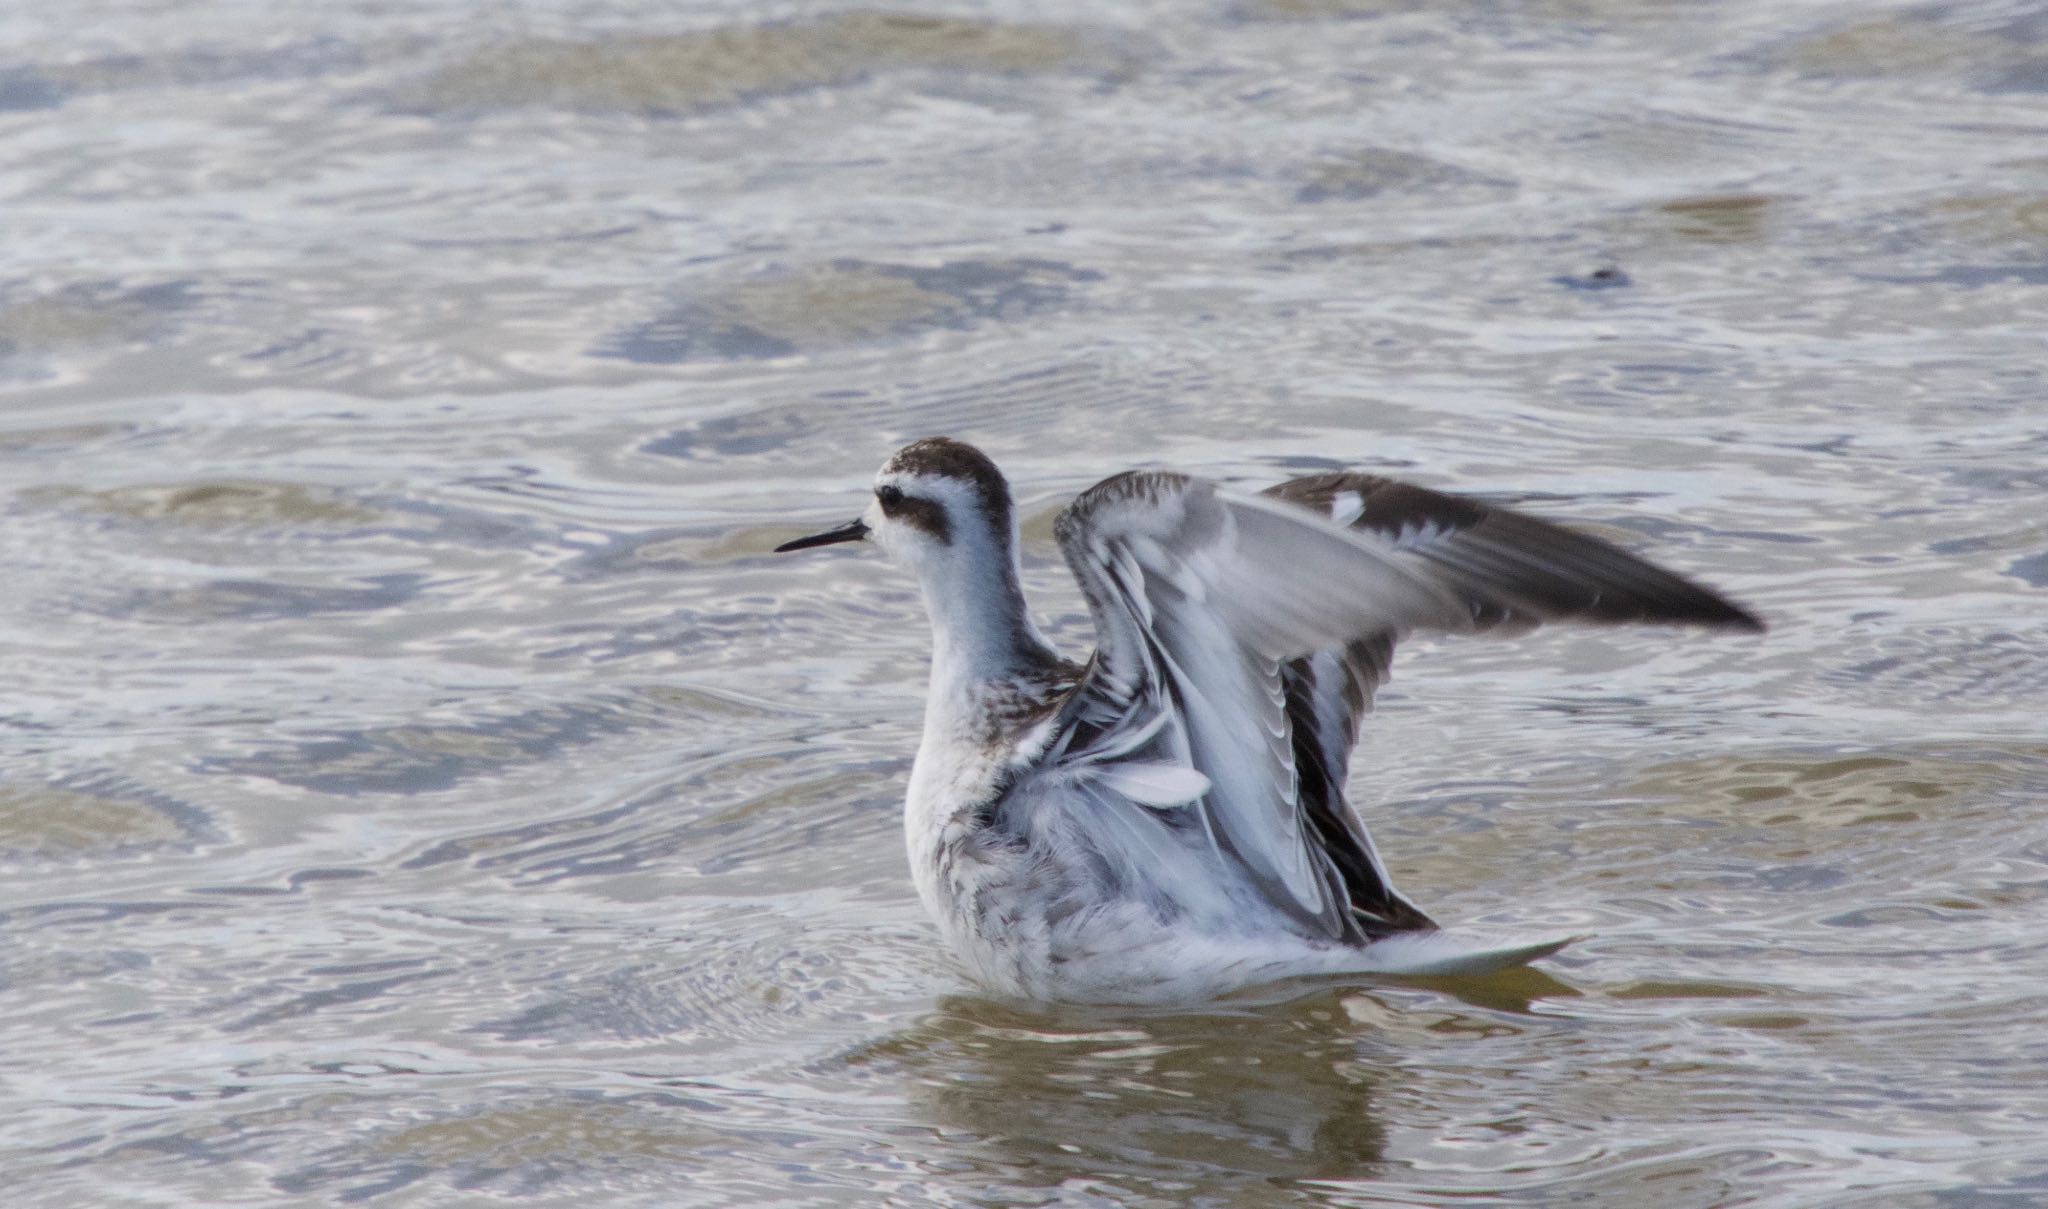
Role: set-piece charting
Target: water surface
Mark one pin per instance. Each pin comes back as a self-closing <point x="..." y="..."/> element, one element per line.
<point x="418" y="783"/>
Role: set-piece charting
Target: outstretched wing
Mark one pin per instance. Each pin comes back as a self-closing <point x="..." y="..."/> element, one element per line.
<point x="1215" y="614"/>
<point x="1510" y="568"/>
<point x="1513" y="569"/>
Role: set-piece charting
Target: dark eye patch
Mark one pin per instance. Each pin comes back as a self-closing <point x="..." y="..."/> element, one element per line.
<point x="913" y="510"/>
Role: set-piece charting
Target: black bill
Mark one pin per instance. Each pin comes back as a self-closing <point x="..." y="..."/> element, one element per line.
<point x="844" y="533"/>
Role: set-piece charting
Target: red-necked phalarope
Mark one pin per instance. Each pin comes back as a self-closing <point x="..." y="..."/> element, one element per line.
<point x="1167" y="823"/>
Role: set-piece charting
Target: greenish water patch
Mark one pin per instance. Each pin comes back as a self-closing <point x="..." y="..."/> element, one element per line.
<point x="564" y="1133"/>
<point x="1998" y="51"/>
<point x="222" y="504"/>
<point x="1720" y="218"/>
<point x="782" y="314"/>
<point x="90" y="314"/>
<point x="1822" y="791"/>
<point x="678" y="73"/>
<point x="53" y="822"/>
<point x="30" y="441"/>
<point x="423" y="757"/>
<point x="1378" y="171"/>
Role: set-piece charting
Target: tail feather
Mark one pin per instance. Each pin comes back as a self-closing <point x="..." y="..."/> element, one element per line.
<point x="1433" y="954"/>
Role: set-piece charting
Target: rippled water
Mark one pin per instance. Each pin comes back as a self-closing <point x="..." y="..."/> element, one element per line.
<point x="418" y="784"/>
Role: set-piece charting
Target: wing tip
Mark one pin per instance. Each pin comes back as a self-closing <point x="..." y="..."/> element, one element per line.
<point x="1718" y="613"/>
<point x="1746" y="622"/>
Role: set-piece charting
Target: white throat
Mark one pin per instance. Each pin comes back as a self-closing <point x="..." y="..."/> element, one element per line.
<point x="981" y="631"/>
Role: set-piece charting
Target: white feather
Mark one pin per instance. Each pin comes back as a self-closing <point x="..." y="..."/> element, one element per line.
<point x="1158" y="785"/>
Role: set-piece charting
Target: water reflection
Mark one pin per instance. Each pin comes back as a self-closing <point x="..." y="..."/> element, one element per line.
<point x="1280" y="1093"/>
<point x="1247" y="1091"/>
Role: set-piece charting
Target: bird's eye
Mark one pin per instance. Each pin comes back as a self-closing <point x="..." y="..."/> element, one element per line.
<point x="890" y="497"/>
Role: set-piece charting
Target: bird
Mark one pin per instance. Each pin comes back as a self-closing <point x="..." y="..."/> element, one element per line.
<point x="1166" y="823"/>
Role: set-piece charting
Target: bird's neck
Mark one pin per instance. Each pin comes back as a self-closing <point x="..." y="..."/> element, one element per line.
<point x="981" y="632"/>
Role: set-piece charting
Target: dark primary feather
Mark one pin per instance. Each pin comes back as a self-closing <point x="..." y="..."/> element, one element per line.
<point x="1326" y="697"/>
<point x="1515" y="568"/>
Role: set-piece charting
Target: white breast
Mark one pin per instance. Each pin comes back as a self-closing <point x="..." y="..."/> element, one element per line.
<point x="979" y="893"/>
